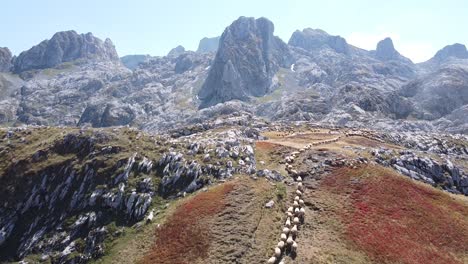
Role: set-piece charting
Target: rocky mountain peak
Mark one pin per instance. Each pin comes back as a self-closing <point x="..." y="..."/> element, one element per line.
<point x="5" y="59"/>
<point x="208" y="45"/>
<point x="456" y="50"/>
<point x="386" y="51"/>
<point x="63" y="47"/>
<point x="248" y="57"/>
<point x="175" y="52"/>
<point x="315" y="39"/>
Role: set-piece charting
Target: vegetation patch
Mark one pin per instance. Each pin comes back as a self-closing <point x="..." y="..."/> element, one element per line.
<point x="396" y="220"/>
<point x="185" y="237"/>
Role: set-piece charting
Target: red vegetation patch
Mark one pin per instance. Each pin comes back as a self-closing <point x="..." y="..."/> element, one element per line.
<point x="395" y="220"/>
<point x="264" y="145"/>
<point x="185" y="236"/>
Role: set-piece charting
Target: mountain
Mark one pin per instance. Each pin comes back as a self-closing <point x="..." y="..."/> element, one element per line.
<point x="5" y="60"/>
<point x="189" y="157"/>
<point x="313" y="39"/>
<point x="386" y="51"/>
<point x="248" y="57"/>
<point x="65" y="46"/>
<point x="208" y="44"/>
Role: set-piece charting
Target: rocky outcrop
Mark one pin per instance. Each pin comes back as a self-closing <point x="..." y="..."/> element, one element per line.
<point x="455" y="51"/>
<point x="133" y="61"/>
<point x="208" y="44"/>
<point x="175" y="52"/>
<point x="110" y="114"/>
<point x="386" y="51"/>
<point x="248" y="57"/>
<point x="65" y="46"/>
<point x="438" y="93"/>
<point x="5" y="60"/>
<point x="443" y="174"/>
<point x="313" y="39"/>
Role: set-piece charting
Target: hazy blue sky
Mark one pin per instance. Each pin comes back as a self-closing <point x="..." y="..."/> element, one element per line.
<point x="419" y="28"/>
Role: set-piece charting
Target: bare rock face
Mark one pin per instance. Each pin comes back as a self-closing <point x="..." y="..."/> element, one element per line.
<point x="386" y="51"/>
<point x="451" y="51"/>
<point x="5" y="60"/>
<point x="64" y="47"/>
<point x="208" y="45"/>
<point x="312" y="39"/>
<point x="175" y="52"/>
<point x="248" y="57"/>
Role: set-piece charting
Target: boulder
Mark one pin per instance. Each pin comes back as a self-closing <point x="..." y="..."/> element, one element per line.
<point x="5" y="60"/>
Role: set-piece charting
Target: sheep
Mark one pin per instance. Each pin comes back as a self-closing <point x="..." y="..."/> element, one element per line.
<point x="296" y="212"/>
<point x="299" y="193"/>
<point x="301" y="202"/>
<point x="295" y="204"/>
<point x="298" y="179"/>
<point x="300" y="187"/>
<point x="290" y="215"/>
<point x="290" y="209"/>
<point x="272" y="260"/>
<point x="296" y="220"/>
<point x="283" y="237"/>
<point x="289" y="241"/>
<point x="294" y="230"/>
<point x="149" y="218"/>
<point x="288" y="222"/>
<point x="285" y="230"/>
<point x="294" y="247"/>
<point x="302" y="211"/>
<point x="277" y="252"/>
<point x="296" y="198"/>
<point x="281" y="244"/>
<point x="294" y="172"/>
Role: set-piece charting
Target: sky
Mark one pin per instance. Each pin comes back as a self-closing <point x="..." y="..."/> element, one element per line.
<point x="418" y="27"/>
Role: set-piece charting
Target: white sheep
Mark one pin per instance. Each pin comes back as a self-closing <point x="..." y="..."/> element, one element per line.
<point x="299" y="193"/>
<point x="289" y="214"/>
<point x="290" y="209"/>
<point x="288" y="222"/>
<point x="281" y="244"/>
<point x="301" y="202"/>
<point x="272" y="260"/>
<point x="294" y="230"/>
<point x="285" y="230"/>
<point x="298" y="179"/>
<point x="296" y="220"/>
<point x="290" y="240"/>
<point x="302" y="211"/>
<point x="283" y="237"/>
<point x="294" y="247"/>
<point x="295" y="204"/>
<point x="296" y="198"/>
<point x="300" y="186"/>
<point x="277" y="252"/>
<point x="294" y="172"/>
<point x="149" y="218"/>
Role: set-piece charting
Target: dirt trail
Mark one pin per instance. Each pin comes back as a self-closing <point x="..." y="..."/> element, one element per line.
<point x="244" y="232"/>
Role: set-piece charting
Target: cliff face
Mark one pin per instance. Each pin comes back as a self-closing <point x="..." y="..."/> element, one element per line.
<point x="63" y="47"/>
<point x="5" y="60"/>
<point x="247" y="59"/>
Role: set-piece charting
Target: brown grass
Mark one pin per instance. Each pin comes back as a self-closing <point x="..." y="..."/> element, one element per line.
<point x="396" y="220"/>
<point x="184" y="238"/>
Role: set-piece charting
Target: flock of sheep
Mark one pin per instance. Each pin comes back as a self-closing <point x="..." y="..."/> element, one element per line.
<point x="295" y="217"/>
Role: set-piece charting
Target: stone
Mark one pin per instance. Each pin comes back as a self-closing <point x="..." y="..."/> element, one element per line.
<point x="208" y="45"/>
<point x="5" y="60"/>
